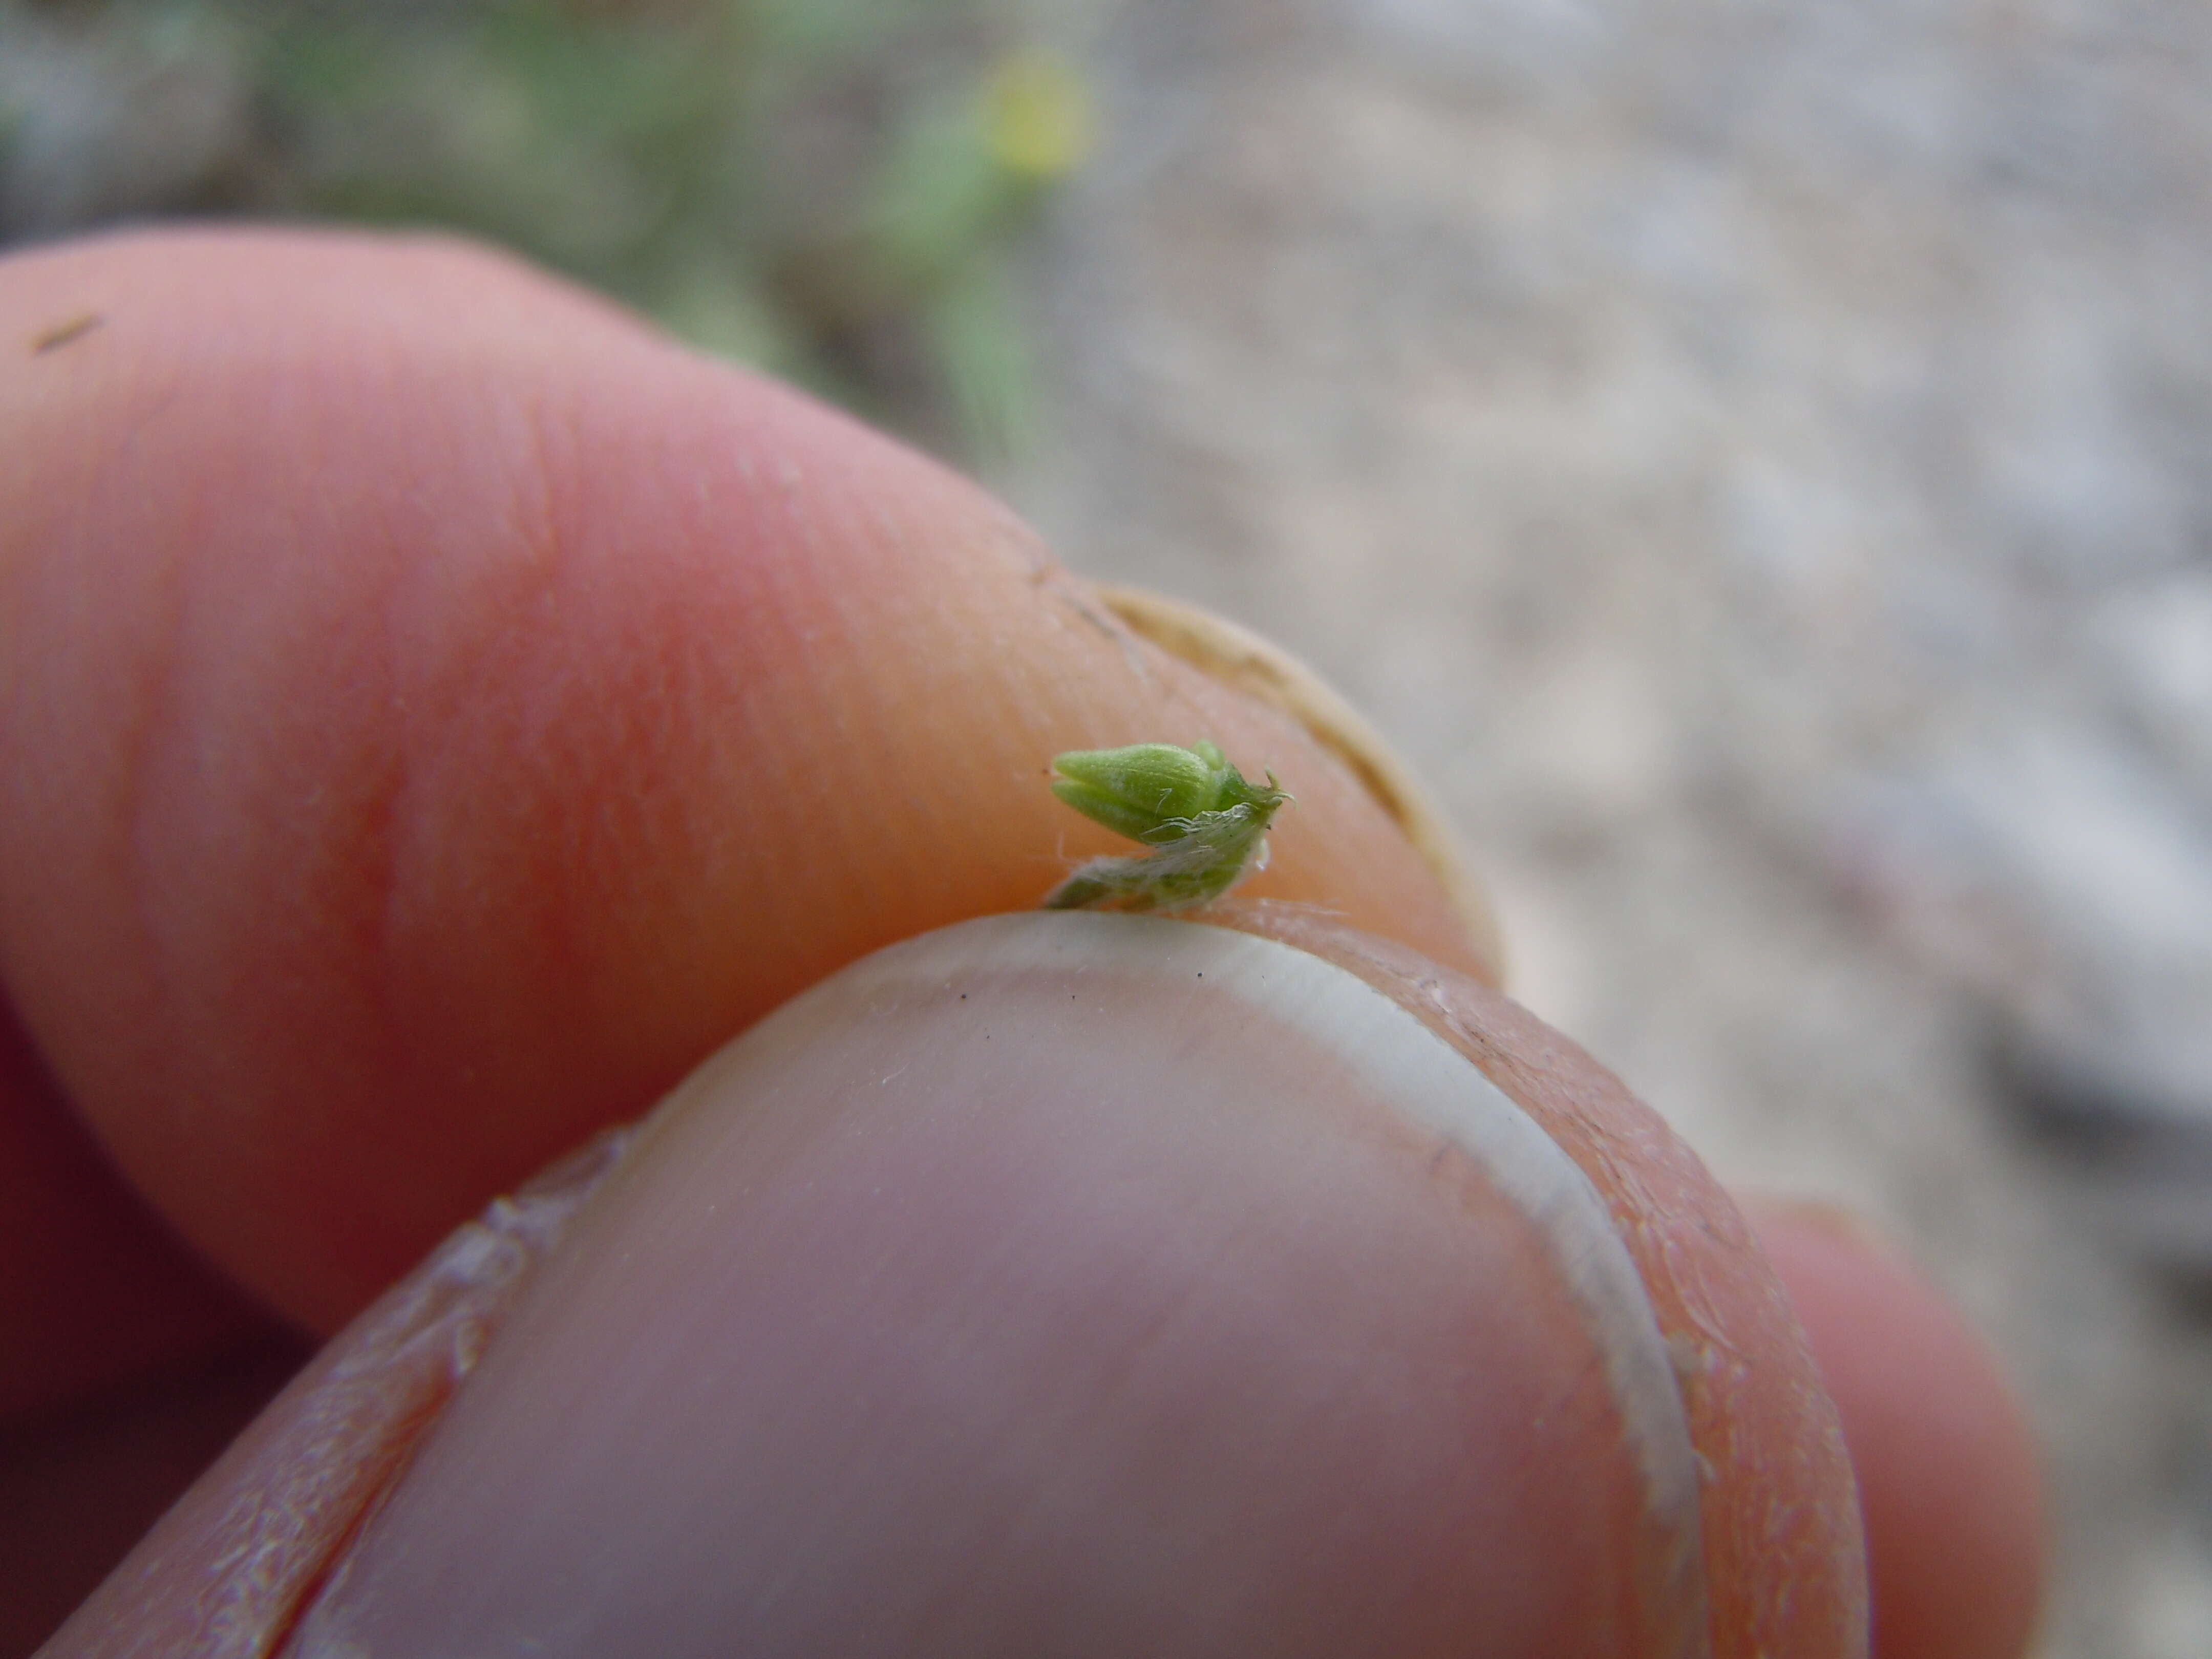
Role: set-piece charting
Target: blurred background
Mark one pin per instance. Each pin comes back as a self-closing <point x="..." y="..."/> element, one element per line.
<point x="1755" y="458"/>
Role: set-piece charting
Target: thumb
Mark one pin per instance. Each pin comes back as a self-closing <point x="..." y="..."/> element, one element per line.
<point x="1066" y="1283"/>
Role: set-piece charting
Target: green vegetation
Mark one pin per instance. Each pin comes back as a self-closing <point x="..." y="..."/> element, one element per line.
<point x="1205" y="825"/>
<point x="831" y="190"/>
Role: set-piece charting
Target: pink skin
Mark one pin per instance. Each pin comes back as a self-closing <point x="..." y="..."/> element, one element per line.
<point x="1946" y="1470"/>
<point x="431" y="710"/>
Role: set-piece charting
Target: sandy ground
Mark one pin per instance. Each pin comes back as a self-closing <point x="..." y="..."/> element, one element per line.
<point x="1756" y="461"/>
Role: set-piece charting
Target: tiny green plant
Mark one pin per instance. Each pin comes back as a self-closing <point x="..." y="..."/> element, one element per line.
<point x="1206" y="826"/>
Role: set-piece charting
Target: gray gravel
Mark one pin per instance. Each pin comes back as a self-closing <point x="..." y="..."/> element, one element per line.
<point x="1757" y="460"/>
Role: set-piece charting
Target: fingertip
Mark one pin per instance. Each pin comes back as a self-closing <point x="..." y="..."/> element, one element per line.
<point x="1946" y="1465"/>
<point x="437" y="711"/>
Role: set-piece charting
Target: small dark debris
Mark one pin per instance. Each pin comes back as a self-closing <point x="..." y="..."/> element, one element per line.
<point x="64" y="333"/>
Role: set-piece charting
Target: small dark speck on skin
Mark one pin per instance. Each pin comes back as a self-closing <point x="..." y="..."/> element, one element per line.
<point x="64" y="333"/>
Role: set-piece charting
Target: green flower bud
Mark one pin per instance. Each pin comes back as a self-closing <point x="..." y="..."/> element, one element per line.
<point x="1207" y="825"/>
<point x="1147" y="792"/>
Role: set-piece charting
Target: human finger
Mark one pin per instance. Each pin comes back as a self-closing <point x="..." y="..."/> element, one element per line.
<point x="436" y="711"/>
<point x="1946" y="1468"/>
<point x="1066" y="1283"/>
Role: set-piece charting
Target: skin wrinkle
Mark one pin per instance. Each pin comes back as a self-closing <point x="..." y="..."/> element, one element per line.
<point x="149" y="729"/>
<point x="357" y="830"/>
<point x="374" y="853"/>
<point x="472" y="702"/>
<point x="382" y="846"/>
<point x="310" y="621"/>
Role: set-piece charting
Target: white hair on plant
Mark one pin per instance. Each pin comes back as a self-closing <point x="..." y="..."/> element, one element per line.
<point x="1206" y="826"/>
